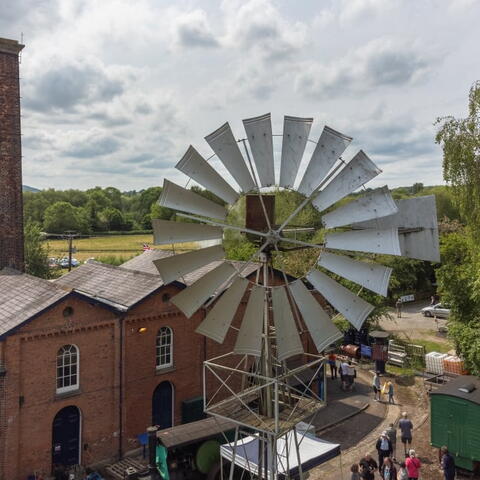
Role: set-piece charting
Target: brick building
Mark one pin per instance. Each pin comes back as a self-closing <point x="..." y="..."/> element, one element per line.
<point x="11" y="203"/>
<point x="89" y="361"/>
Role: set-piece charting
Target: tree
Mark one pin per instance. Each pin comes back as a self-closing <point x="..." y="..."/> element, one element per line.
<point x="63" y="216"/>
<point x="460" y="141"/>
<point x="36" y="253"/>
<point x="112" y="218"/>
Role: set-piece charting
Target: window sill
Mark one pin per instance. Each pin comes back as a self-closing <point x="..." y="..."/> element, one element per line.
<point x="71" y="393"/>
<point x="162" y="370"/>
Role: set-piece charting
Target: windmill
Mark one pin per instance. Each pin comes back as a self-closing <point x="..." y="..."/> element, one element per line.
<point x="254" y="385"/>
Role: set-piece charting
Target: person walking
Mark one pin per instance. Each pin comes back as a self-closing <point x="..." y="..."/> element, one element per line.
<point x="406" y="427"/>
<point x="413" y="465"/>
<point x="392" y="435"/>
<point x="351" y="376"/>
<point x="376" y="386"/>
<point x="402" y="472"/>
<point x="384" y="447"/>
<point x="398" y="304"/>
<point x="344" y="370"/>
<point x="447" y="464"/>
<point x="332" y="361"/>
<point x="367" y="467"/>
<point x="389" y="390"/>
<point x="388" y="470"/>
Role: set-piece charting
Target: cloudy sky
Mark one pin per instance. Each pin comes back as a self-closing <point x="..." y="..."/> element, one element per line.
<point x="114" y="91"/>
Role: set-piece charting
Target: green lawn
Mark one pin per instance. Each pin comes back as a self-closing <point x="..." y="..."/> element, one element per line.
<point x="125" y="246"/>
<point x="431" y="346"/>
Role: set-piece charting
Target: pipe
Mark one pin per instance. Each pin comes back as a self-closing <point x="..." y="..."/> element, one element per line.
<point x="120" y="390"/>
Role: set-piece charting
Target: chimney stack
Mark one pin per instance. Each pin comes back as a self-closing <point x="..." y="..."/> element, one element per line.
<point x="11" y="202"/>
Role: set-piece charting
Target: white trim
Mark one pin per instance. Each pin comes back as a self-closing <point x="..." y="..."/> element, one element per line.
<point x="69" y="388"/>
<point x="157" y="356"/>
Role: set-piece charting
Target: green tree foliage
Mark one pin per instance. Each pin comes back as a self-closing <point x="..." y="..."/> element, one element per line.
<point x="459" y="273"/>
<point x="112" y="218"/>
<point x="36" y="252"/>
<point x="460" y="141"/>
<point x="63" y="216"/>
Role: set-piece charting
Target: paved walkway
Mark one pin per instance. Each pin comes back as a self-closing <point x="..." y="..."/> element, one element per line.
<point x="358" y="434"/>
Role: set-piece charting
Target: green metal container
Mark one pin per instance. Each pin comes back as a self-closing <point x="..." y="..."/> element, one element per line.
<point x="455" y="420"/>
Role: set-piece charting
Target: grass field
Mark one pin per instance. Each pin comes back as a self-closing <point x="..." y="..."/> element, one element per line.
<point x="125" y="246"/>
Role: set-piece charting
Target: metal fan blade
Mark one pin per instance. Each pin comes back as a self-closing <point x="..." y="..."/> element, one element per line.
<point x="249" y="338"/>
<point x="167" y="232"/>
<point x="322" y="330"/>
<point x="352" y="307"/>
<point x="416" y="212"/>
<point x="371" y="206"/>
<point x="196" y="167"/>
<point x="259" y="134"/>
<point x="373" y="276"/>
<point x="330" y="146"/>
<point x="193" y="297"/>
<point x="172" y="268"/>
<point x="372" y="241"/>
<point x="225" y="146"/>
<point x="295" y="137"/>
<point x="288" y="339"/>
<point x="179" y="198"/>
<point x="353" y="175"/>
<point x="421" y="244"/>
<point x="219" y="319"/>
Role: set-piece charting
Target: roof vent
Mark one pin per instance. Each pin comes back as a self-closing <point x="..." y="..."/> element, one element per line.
<point x="468" y="388"/>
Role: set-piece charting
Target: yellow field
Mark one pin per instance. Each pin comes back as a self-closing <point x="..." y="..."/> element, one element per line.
<point x="126" y="246"/>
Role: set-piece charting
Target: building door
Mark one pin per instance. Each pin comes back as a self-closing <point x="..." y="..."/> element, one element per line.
<point x="162" y="405"/>
<point x="66" y="437"/>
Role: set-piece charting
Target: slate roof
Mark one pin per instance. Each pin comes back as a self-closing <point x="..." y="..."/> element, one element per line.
<point x="144" y="263"/>
<point x="23" y="296"/>
<point x="116" y="286"/>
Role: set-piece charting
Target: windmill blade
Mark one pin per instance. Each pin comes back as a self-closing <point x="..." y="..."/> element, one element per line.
<point x="322" y="330"/>
<point x="167" y="232"/>
<point x="420" y="244"/>
<point x="369" y="207"/>
<point x="416" y="212"/>
<point x="352" y="307"/>
<point x="225" y="146"/>
<point x="371" y="241"/>
<point x="196" y="167"/>
<point x="249" y="338"/>
<point x="174" y="267"/>
<point x="288" y="339"/>
<point x="373" y="276"/>
<point x="330" y="146"/>
<point x="354" y="174"/>
<point x="259" y="134"/>
<point x="295" y="137"/>
<point x="219" y="319"/>
<point x="193" y="297"/>
<point x="179" y="198"/>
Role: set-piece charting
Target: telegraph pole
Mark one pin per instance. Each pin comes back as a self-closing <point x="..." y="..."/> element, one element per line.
<point x="70" y="234"/>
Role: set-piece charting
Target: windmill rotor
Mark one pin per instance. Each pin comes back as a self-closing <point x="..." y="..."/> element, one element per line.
<point x="348" y="235"/>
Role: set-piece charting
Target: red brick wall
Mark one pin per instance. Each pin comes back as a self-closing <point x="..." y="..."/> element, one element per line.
<point x="11" y="204"/>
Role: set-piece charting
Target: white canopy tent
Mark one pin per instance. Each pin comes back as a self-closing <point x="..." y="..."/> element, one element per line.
<point x="313" y="452"/>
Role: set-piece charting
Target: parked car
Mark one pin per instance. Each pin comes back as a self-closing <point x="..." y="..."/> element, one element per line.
<point x="53" y="262"/>
<point x="64" y="262"/>
<point x="438" y="310"/>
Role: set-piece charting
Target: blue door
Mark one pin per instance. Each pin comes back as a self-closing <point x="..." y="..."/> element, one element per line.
<point x="66" y="437"/>
<point x="162" y="405"/>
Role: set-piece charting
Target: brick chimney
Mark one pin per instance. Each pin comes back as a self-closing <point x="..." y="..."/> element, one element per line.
<point x="11" y="203"/>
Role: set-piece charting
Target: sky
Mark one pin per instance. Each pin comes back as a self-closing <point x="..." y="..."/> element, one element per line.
<point x="114" y="91"/>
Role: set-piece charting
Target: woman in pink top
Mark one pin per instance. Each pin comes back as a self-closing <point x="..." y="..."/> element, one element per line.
<point x="413" y="465"/>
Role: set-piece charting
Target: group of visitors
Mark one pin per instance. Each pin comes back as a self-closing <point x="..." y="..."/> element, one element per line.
<point x="385" y="389"/>
<point x="388" y="467"/>
<point x="346" y="371"/>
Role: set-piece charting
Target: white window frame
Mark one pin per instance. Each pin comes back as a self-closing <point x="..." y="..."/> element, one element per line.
<point x="61" y="354"/>
<point x="161" y="349"/>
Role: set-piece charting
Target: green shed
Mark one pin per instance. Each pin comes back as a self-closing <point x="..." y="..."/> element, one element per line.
<point x="455" y="420"/>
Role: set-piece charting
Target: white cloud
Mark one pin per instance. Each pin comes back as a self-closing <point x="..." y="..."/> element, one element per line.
<point x="192" y="30"/>
<point x="382" y="62"/>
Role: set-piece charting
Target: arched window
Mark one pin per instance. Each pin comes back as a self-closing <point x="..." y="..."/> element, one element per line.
<point x="164" y="348"/>
<point x="67" y="369"/>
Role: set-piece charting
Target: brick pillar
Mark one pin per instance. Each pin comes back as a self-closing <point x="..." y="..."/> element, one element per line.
<point x="11" y="203"/>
